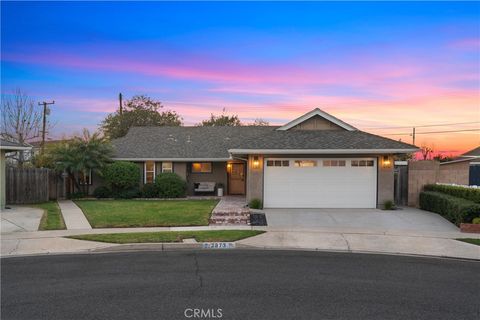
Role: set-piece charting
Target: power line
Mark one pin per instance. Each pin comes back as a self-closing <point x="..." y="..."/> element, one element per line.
<point x="427" y="125"/>
<point x="429" y="132"/>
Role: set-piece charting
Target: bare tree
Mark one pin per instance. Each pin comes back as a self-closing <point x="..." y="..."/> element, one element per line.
<point x="426" y="151"/>
<point x="21" y="120"/>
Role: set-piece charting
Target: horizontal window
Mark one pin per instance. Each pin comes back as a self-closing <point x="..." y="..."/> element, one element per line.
<point x="362" y="163"/>
<point x="334" y="163"/>
<point x="167" y="167"/>
<point x="202" y="167"/>
<point x="305" y="163"/>
<point x="278" y="163"/>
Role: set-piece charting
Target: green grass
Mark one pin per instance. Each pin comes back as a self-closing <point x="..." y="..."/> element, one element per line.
<point x="52" y="217"/>
<point x="470" y="240"/>
<point x="170" y="236"/>
<point x="146" y="213"/>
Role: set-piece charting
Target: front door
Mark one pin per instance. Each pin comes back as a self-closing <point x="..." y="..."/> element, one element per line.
<point x="236" y="179"/>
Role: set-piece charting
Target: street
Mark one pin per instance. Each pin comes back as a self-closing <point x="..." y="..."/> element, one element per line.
<point x="238" y="284"/>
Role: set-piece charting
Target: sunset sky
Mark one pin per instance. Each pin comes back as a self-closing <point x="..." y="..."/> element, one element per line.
<point x="374" y="65"/>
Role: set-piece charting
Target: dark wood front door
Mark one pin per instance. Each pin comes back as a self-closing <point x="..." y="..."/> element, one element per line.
<point x="236" y="179"/>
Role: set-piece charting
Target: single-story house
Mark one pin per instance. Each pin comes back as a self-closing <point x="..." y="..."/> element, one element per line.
<point x="314" y="161"/>
<point x="464" y="170"/>
<point x="7" y="146"/>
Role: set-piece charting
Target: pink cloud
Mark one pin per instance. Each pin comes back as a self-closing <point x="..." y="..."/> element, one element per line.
<point x="467" y="44"/>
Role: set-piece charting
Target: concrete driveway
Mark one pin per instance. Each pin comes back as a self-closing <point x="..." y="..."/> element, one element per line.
<point x="403" y="219"/>
<point x="20" y="219"/>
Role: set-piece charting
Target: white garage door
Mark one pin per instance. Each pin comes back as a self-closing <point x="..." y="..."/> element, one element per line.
<point x="320" y="183"/>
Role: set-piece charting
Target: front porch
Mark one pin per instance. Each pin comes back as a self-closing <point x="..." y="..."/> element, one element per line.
<point x="206" y="178"/>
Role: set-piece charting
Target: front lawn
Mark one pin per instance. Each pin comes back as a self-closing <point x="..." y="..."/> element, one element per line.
<point x="52" y="217"/>
<point x="146" y="213"/>
<point x="170" y="236"/>
<point x="470" y="240"/>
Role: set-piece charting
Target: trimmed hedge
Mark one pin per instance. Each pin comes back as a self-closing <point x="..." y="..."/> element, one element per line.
<point x="102" y="192"/>
<point x="122" y="176"/>
<point x="149" y="190"/>
<point x="170" y="185"/>
<point x="456" y="210"/>
<point x="472" y="194"/>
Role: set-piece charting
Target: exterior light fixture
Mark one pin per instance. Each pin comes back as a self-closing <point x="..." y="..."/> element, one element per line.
<point x="229" y="167"/>
<point x="256" y="162"/>
<point x="386" y="162"/>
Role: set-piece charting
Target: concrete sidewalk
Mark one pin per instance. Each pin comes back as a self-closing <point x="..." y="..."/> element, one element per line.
<point x="357" y="242"/>
<point x="73" y="215"/>
<point x="348" y="240"/>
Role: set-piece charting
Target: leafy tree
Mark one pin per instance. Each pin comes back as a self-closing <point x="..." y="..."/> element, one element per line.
<point x="221" y="120"/>
<point x="82" y="154"/>
<point x="139" y="111"/>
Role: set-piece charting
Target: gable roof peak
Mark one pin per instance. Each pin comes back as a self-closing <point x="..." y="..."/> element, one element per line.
<point x="317" y="112"/>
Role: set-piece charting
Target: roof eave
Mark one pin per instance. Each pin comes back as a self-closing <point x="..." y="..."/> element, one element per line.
<point x="173" y="159"/>
<point x="321" y="151"/>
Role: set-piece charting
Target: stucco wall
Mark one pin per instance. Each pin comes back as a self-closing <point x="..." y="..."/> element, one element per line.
<point x="317" y="123"/>
<point x="457" y="173"/>
<point x="385" y="181"/>
<point x="254" y="178"/>
<point x="420" y="173"/>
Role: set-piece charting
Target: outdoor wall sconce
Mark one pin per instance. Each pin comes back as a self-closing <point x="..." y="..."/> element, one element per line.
<point x="256" y="162"/>
<point x="229" y="167"/>
<point x="386" y="162"/>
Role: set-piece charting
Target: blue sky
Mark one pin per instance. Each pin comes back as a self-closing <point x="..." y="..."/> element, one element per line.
<point x="372" y="64"/>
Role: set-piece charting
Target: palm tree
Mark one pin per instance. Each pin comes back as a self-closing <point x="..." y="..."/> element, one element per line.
<point x="82" y="154"/>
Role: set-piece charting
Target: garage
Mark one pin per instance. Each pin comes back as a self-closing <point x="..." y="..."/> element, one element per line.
<point x="320" y="183"/>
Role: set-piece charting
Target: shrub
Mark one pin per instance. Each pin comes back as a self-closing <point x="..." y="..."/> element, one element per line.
<point x="122" y="175"/>
<point x="102" y="192"/>
<point x="476" y="220"/>
<point x="170" y="185"/>
<point x="127" y="193"/>
<point x="456" y="210"/>
<point x="472" y="194"/>
<point x="255" y="204"/>
<point x="388" y="205"/>
<point x="149" y="190"/>
<point x="76" y="195"/>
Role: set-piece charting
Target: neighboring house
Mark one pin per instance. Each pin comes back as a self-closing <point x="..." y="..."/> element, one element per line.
<point x="7" y="146"/>
<point x="314" y="161"/>
<point x="464" y="170"/>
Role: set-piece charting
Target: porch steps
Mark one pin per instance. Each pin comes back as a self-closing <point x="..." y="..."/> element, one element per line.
<point x="241" y="217"/>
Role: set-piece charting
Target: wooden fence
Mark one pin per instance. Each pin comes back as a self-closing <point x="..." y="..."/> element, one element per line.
<point x="32" y="185"/>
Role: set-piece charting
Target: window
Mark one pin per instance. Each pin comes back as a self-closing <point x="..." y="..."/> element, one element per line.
<point x="278" y="163"/>
<point x="202" y="167"/>
<point x="334" y="163"/>
<point x="305" y="163"/>
<point x="362" y="163"/>
<point x="167" y="166"/>
<point x="85" y="179"/>
<point x="149" y="171"/>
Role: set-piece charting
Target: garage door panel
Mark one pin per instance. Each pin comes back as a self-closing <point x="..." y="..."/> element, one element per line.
<point x="320" y="187"/>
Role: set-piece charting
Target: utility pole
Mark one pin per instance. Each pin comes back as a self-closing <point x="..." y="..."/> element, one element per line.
<point x="120" y="101"/>
<point x="413" y="136"/>
<point x="45" y="112"/>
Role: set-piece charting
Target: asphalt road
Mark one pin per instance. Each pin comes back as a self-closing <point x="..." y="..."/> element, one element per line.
<point x="243" y="284"/>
